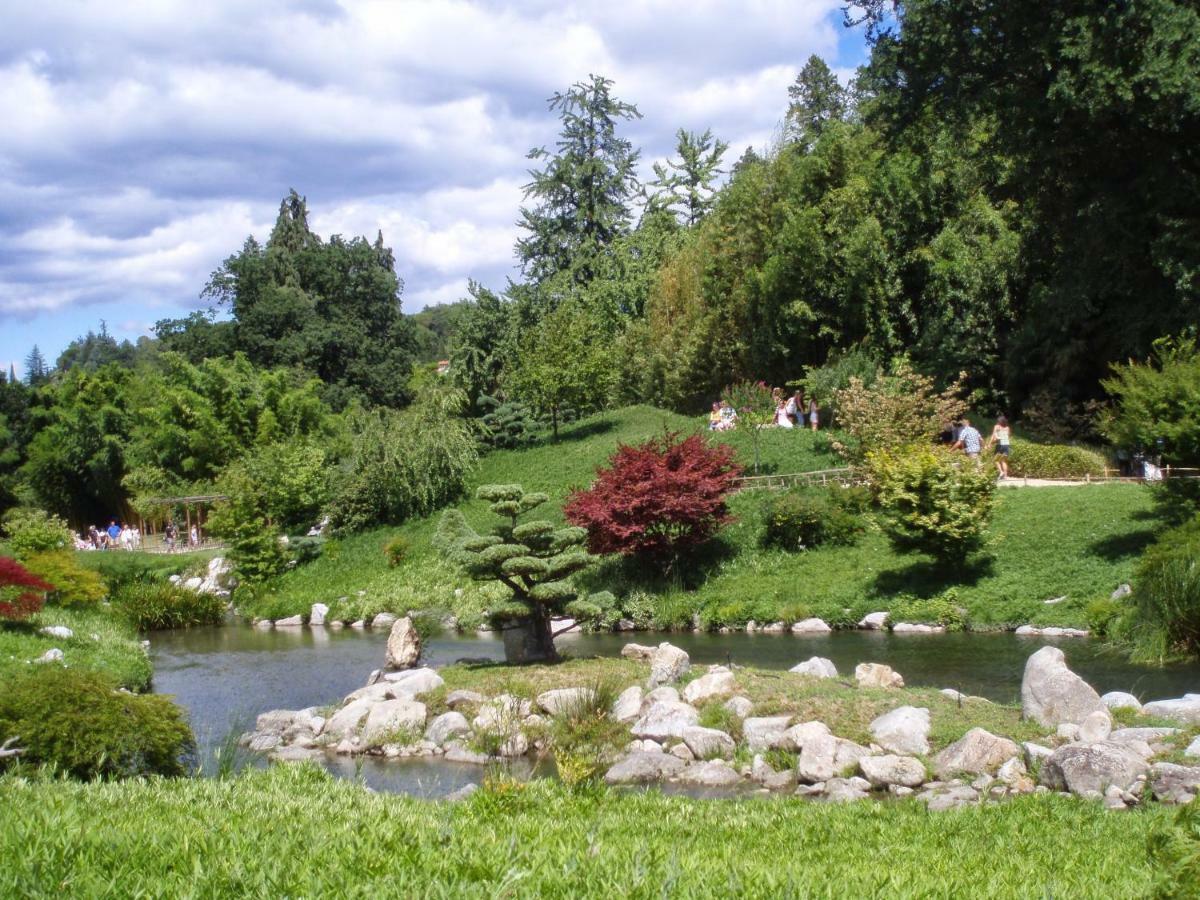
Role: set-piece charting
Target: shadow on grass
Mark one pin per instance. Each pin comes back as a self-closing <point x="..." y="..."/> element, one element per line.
<point x="926" y="578"/>
<point x="623" y="575"/>
<point x="1123" y="546"/>
<point x="579" y="432"/>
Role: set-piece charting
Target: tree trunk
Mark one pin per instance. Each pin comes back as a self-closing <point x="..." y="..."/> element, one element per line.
<point x="531" y="641"/>
<point x="554" y="420"/>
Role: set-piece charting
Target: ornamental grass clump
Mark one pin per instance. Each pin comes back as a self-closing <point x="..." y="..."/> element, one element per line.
<point x="533" y="559"/>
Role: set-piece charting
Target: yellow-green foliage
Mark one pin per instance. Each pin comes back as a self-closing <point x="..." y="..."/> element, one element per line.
<point x="31" y="531"/>
<point x="74" y="584"/>
<point x="1031" y="460"/>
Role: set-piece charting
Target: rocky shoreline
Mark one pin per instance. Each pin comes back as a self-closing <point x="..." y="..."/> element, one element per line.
<point x="1082" y="752"/>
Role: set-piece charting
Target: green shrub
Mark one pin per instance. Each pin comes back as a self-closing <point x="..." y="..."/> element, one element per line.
<point x="81" y="723"/>
<point x="74" y="584"/>
<point x="1101" y="614"/>
<point x="1031" y="460"/>
<point x="806" y="517"/>
<point x="150" y="606"/>
<point x="944" y="610"/>
<point x="306" y="549"/>
<point x="933" y="501"/>
<point x="395" y="550"/>
<point x="31" y="531"/>
<point x="1166" y="595"/>
<point x="1175" y="852"/>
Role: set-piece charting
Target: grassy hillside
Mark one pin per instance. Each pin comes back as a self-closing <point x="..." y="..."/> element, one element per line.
<point x="76" y="839"/>
<point x="1078" y="542"/>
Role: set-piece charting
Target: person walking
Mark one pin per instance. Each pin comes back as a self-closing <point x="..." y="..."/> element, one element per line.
<point x="169" y="535"/>
<point x="1002" y="438"/>
<point x="970" y="441"/>
<point x="814" y="413"/>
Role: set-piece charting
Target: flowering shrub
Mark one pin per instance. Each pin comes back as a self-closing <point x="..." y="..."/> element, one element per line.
<point x="751" y="399"/>
<point x="656" y="499"/>
<point x="21" y="592"/>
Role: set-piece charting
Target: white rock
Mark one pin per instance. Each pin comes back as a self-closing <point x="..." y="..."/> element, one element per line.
<point x="1036" y="753"/>
<point x="264" y="625"/>
<point x="1052" y="694"/>
<point x="844" y="790"/>
<point x="811" y="626"/>
<point x="628" y="706"/>
<point x="816" y="667"/>
<point x="290" y="622"/>
<point x="359" y="624"/>
<point x="877" y="675"/>
<point x="706" y="743"/>
<point x="1123" y="590"/>
<point x="57" y="631"/>
<point x="714" y="684"/>
<point x="875" y="621"/>
<point x="403" y="644"/>
<point x="774" y="628"/>
<point x="638" y="651"/>
<point x="714" y="773"/>
<point x="1014" y="774"/>
<point x="665" y="720"/>
<point x="946" y="797"/>
<point x="1183" y="710"/>
<point x="1193" y="749"/>
<point x="639" y="768"/>
<point x="456" y="752"/>
<point x="50" y="656"/>
<point x="797" y="736"/>
<point x="977" y="752"/>
<point x="316" y="615"/>
<point x="917" y="628"/>
<point x="566" y="700"/>
<point x="826" y="757"/>
<point x="1096" y="727"/>
<point x="1120" y="700"/>
<point x="389" y="716"/>
<point x="764" y="732"/>
<point x="1026" y="631"/>
<point x="1173" y="783"/>
<point x="1084" y="768"/>
<point x="1068" y="732"/>
<point x="414" y="681"/>
<point x="383" y="620"/>
<point x="446" y="727"/>
<point x="455" y="699"/>
<point x="501" y="714"/>
<point x="517" y="744"/>
<point x="682" y="751"/>
<point x="668" y="665"/>
<point x="883" y="771"/>
<point x="275" y="721"/>
<point x="193" y="583"/>
<point x="904" y="730"/>
<point x="660" y="695"/>
<point x="739" y="706"/>
<point x="1142" y="734"/>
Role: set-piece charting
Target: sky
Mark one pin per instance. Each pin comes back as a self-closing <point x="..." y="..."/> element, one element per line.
<point x="144" y="141"/>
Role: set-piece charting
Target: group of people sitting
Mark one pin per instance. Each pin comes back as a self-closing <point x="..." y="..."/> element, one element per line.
<point x="790" y="412"/>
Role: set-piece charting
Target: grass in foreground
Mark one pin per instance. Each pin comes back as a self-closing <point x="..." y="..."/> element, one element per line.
<point x="297" y="832"/>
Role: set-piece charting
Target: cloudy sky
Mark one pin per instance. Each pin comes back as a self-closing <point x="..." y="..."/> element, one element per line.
<point x="143" y="141"/>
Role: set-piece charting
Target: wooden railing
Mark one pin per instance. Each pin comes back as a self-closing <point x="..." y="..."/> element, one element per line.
<point x="843" y="476"/>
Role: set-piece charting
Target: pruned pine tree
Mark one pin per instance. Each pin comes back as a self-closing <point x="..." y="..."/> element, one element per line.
<point x="582" y="193"/>
<point x="686" y="188"/>
<point x="534" y="560"/>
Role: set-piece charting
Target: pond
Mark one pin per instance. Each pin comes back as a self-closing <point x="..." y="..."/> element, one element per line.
<point x="225" y="676"/>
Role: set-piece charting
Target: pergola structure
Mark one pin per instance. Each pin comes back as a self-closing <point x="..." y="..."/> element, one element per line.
<point x="195" y="509"/>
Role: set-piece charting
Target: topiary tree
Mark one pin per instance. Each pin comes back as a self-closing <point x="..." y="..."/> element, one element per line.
<point x="658" y="499"/>
<point x="506" y="424"/>
<point x="533" y="559"/>
<point x="932" y="501"/>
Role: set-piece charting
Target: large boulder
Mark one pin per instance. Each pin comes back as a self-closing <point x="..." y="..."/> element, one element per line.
<point x="346" y="721"/>
<point x="977" y="752"/>
<point x="826" y="757"/>
<point x="1095" y="727"/>
<point x="317" y="614"/>
<point x="797" y="736"/>
<point x="882" y="771"/>
<point x="458" y="698"/>
<point x="403" y="645"/>
<point x="816" y="667"/>
<point x="413" y="681"/>
<point x="811" y="626"/>
<point x="875" y="621"/>
<point x="903" y="730"/>
<point x="739" y="706"/>
<point x="390" y="719"/>
<point x="1174" y="784"/>
<point x="502" y="714"/>
<point x="714" y="773"/>
<point x="639" y="768"/>
<point x="1051" y="694"/>
<point x="638" y="651"/>
<point x="565" y="701"/>
<point x="708" y="743"/>
<point x="665" y="719"/>
<point x="764" y="732"/>
<point x="446" y="727"/>
<point x="877" y="675"/>
<point x="668" y="664"/>
<point x="1185" y="709"/>
<point x="950" y="796"/>
<point x="628" y="705"/>
<point x="845" y="790"/>
<point x="1092" y="768"/>
<point x="1120" y="700"/>
<point x="717" y="683"/>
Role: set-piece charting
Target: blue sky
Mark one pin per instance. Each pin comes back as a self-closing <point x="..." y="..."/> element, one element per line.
<point x="144" y="141"/>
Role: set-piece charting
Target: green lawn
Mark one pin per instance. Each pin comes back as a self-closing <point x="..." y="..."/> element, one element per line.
<point x="101" y="643"/>
<point x="296" y="832"/>
<point x="1078" y="542"/>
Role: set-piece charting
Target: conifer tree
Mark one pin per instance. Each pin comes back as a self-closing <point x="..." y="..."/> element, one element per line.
<point x="685" y="188"/>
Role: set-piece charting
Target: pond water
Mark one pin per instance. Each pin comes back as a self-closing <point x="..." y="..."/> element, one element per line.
<point x="225" y="676"/>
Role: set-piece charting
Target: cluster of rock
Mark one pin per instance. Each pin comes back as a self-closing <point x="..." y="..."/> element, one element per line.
<point x="217" y="579"/>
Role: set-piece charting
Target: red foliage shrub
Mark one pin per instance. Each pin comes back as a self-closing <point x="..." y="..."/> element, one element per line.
<point x="21" y="592"/>
<point x="658" y="498"/>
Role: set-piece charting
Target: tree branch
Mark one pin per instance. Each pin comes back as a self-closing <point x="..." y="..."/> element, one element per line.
<point x="6" y="752"/>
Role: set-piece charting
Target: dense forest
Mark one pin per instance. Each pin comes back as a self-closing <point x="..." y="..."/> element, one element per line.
<point x="1007" y="191"/>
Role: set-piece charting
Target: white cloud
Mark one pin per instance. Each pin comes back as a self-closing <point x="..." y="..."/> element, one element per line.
<point x="144" y="141"/>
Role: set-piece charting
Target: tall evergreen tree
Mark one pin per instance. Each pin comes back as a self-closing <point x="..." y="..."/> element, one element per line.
<point x="582" y="193"/>
<point x="817" y="98"/>
<point x="36" y="371"/>
<point x="685" y="188"/>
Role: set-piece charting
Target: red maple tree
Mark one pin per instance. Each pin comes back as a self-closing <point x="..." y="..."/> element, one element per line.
<point x="21" y="592"/>
<point x="657" y="499"/>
